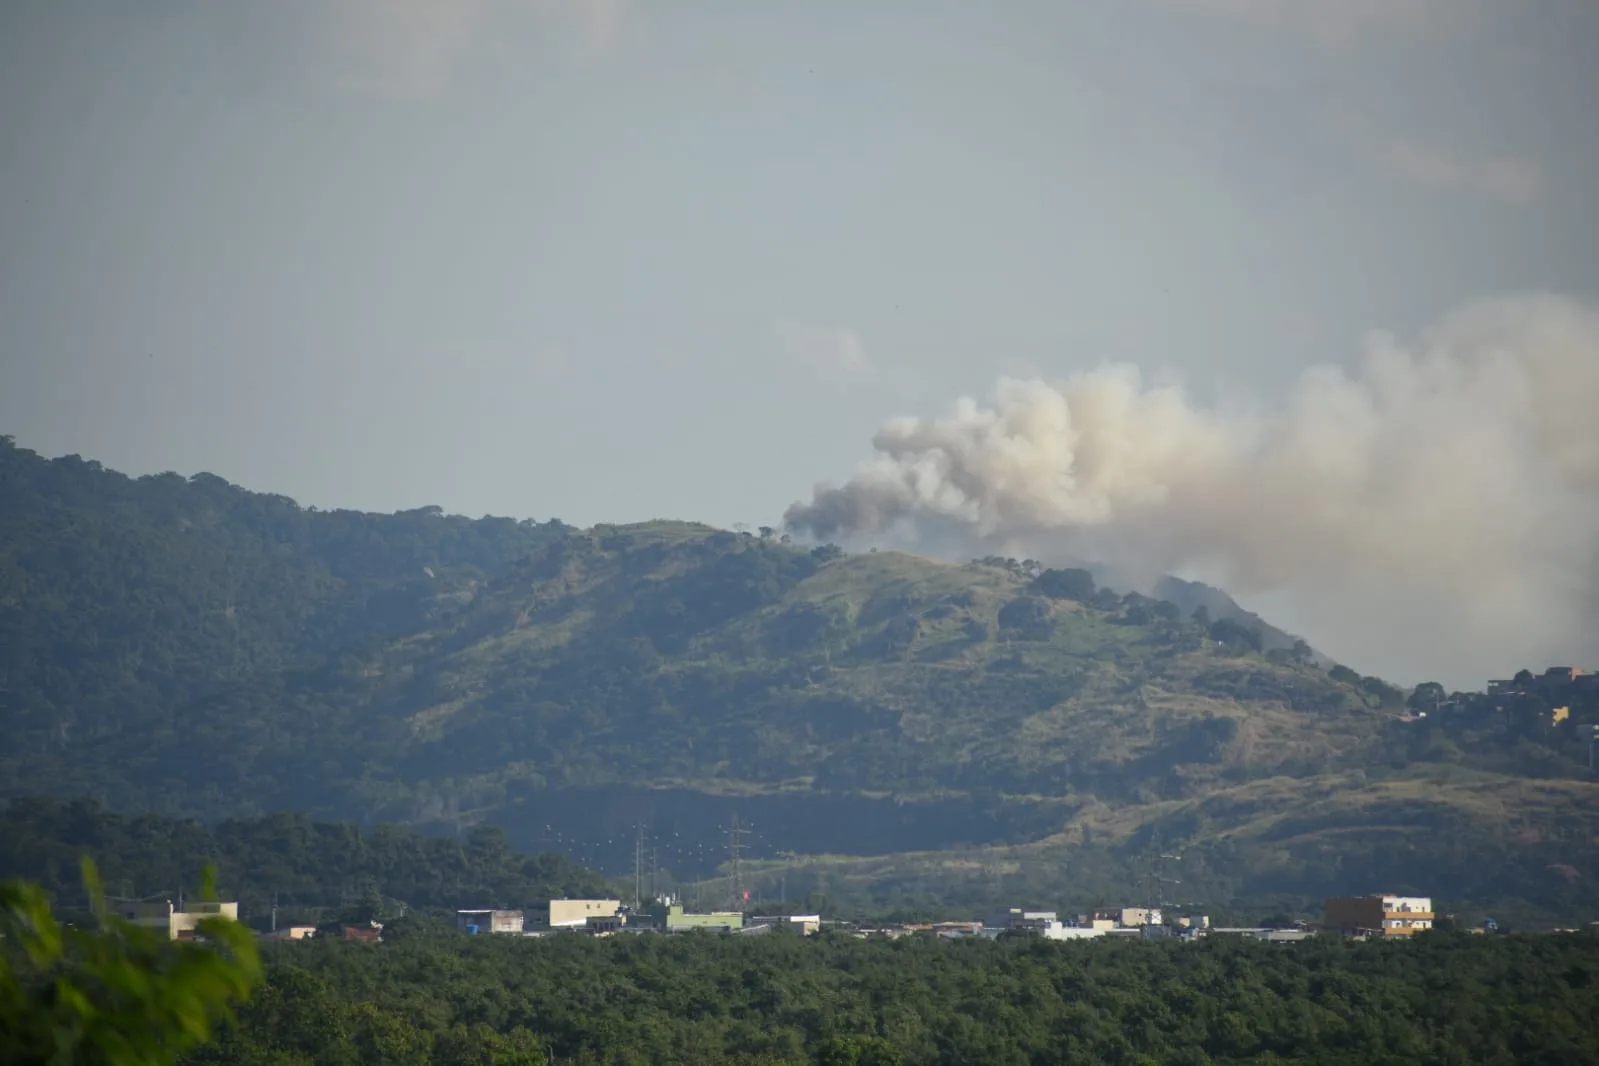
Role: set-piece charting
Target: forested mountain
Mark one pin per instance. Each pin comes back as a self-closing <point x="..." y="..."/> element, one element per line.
<point x="878" y="723"/>
<point x="308" y="869"/>
<point x="162" y="636"/>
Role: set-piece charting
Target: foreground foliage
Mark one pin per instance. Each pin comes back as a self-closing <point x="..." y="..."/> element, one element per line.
<point x="115" y="994"/>
<point x="427" y="996"/>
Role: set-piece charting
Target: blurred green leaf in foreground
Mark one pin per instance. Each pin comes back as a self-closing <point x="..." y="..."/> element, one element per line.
<point x="114" y="994"/>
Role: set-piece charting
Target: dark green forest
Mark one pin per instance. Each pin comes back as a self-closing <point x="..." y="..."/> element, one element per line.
<point x="179" y="643"/>
<point x="428" y="995"/>
<point x="312" y="870"/>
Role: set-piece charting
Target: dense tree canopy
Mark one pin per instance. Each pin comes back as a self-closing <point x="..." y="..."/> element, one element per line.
<point x="711" y="999"/>
<point x="308" y="867"/>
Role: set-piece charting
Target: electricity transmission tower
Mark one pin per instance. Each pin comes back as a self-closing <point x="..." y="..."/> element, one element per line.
<point x="1158" y="882"/>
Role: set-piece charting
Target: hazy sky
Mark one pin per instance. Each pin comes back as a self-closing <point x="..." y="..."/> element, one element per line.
<point x="616" y="259"/>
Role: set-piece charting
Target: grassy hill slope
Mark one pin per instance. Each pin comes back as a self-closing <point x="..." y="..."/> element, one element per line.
<point x="914" y="727"/>
<point x="675" y="654"/>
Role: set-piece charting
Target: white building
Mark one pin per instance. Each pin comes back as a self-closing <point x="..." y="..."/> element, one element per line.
<point x="489" y="921"/>
<point x="1017" y="918"/>
<point x="1385" y="914"/>
<point x="1046" y="924"/>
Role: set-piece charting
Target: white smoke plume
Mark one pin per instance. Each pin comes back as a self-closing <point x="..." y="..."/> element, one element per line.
<point x="1434" y="514"/>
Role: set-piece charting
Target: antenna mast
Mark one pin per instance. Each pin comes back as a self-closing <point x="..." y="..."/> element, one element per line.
<point x="735" y="867"/>
<point x="638" y="866"/>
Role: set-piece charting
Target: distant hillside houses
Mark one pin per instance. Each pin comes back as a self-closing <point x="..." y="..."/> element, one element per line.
<point x="602" y="917"/>
<point x="1377" y="915"/>
<point x="1555" y="679"/>
<point x="1561" y="705"/>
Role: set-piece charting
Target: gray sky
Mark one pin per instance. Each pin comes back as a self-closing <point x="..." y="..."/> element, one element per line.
<point x="616" y="259"/>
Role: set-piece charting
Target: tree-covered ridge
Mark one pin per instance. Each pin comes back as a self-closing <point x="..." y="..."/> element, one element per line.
<point x="674" y="653"/>
<point x="305" y="866"/>
<point x="710" y="999"/>
<point x="184" y="646"/>
<point x="1551" y="717"/>
<point x="143" y="616"/>
<point x="150" y="588"/>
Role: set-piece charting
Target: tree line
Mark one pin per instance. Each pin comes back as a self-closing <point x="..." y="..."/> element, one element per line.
<point x="311" y="869"/>
<point x="104" y="992"/>
<point x="428" y="994"/>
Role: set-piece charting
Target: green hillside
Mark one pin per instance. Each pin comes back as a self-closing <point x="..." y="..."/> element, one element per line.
<point x="309" y="870"/>
<point x="881" y="723"/>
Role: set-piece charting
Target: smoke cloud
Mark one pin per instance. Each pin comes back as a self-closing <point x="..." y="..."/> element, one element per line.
<point x="1432" y="514"/>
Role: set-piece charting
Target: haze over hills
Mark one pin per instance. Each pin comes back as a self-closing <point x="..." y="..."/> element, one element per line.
<point x="1430" y="513"/>
<point x="896" y="726"/>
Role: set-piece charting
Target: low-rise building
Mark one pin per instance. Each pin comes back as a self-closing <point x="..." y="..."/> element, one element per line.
<point x="678" y="920"/>
<point x="1287" y="936"/>
<point x="1379" y="915"/>
<point x="886" y="932"/>
<point x="489" y="921"/>
<point x="178" y="921"/>
<point x="1047" y="924"/>
<point x="1271" y="936"/>
<point x="1132" y="917"/>
<point x="805" y="924"/>
<point x="575" y="913"/>
<point x="1017" y="918"/>
<point x="606" y="924"/>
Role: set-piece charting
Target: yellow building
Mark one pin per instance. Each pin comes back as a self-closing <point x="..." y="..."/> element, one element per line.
<point x="1383" y="915"/>
<point x="575" y="913"/>
<point x="175" y="920"/>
